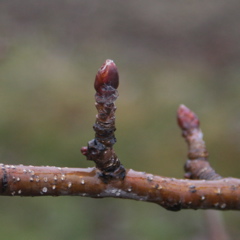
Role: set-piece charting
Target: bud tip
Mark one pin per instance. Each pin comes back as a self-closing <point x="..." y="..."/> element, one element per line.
<point x="186" y="118"/>
<point x="107" y="75"/>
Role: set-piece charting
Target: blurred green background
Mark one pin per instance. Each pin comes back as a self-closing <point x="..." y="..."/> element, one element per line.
<point x="167" y="53"/>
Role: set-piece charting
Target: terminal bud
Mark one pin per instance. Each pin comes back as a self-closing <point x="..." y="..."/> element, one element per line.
<point x="107" y="75"/>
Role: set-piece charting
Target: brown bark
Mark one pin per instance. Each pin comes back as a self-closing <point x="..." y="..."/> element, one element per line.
<point x="170" y="193"/>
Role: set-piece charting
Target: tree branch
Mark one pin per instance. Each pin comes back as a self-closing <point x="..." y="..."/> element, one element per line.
<point x="170" y="193"/>
<point x="111" y="179"/>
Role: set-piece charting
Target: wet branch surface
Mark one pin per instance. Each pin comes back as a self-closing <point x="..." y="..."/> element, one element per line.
<point x="203" y="188"/>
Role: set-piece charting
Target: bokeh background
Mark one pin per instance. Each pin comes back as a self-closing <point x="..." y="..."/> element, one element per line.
<point x="167" y="53"/>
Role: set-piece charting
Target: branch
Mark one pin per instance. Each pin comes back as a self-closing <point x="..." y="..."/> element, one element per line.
<point x="110" y="179"/>
<point x="170" y="193"/>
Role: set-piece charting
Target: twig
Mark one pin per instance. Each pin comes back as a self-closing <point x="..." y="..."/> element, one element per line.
<point x="197" y="165"/>
<point x="100" y="149"/>
<point x="111" y="179"/>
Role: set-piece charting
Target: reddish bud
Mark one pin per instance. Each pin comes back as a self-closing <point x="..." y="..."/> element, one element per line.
<point x="186" y="118"/>
<point x="107" y="75"/>
<point x="84" y="151"/>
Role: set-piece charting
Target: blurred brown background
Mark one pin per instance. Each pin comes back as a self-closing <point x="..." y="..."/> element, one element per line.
<point x="167" y="53"/>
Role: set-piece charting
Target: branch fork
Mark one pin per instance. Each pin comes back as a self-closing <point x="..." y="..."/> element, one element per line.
<point x="202" y="187"/>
